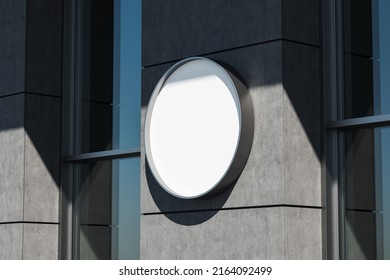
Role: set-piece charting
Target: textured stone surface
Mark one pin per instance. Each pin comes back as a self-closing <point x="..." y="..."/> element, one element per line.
<point x="12" y="46"/>
<point x="230" y="234"/>
<point x="303" y="229"/>
<point x="42" y="158"/>
<point x="174" y="29"/>
<point x="40" y="242"/>
<point x="262" y="233"/>
<point x="11" y="158"/>
<point x="11" y="241"/>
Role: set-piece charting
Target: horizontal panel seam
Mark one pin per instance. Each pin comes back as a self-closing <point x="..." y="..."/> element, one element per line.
<point x="230" y="49"/>
<point x="234" y="208"/>
<point x="30" y="93"/>
<point x="29" y="222"/>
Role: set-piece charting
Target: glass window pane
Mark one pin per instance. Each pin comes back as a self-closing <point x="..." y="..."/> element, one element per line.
<point x="366" y="180"/>
<point x="107" y="209"/>
<point x="382" y="28"/>
<point x="108" y="110"/>
<point x="366" y="27"/>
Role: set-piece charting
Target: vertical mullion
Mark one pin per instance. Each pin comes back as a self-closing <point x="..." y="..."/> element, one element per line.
<point x="66" y="197"/>
<point x="340" y="149"/>
<point x="331" y="91"/>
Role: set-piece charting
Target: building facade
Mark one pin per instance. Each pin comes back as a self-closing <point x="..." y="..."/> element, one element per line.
<point x="76" y="79"/>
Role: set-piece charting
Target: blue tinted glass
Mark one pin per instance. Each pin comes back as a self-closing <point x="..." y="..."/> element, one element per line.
<point x="109" y="100"/>
<point x="383" y="11"/>
<point x="366" y="57"/>
<point x="384" y="195"/>
<point x="108" y="203"/>
<point x="127" y="73"/>
<point x="381" y="43"/>
<point x="126" y="239"/>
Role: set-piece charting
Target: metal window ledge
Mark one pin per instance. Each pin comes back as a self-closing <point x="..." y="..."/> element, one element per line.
<point x="104" y="155"/>
<point x="372" y="121"/>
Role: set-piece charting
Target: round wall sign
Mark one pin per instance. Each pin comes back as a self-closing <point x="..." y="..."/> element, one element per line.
<point x="199" y="128"/>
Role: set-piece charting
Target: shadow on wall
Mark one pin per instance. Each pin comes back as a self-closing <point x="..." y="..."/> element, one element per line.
<point x="164" y="201"/>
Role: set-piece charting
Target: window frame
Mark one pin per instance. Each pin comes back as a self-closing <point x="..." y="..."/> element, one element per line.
<point x="71" y="88"/>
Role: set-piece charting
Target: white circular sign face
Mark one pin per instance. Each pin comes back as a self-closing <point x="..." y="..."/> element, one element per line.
<point x="193" y="128"/>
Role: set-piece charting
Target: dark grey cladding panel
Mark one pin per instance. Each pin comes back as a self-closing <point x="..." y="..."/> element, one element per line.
<point x="31" y="46"/>
<point x="175" y="29"/>
<point x="44" y="47"/>
<point x="42" y="158"/>
<point x="12" y="45"/>
<point x="302" y="124"/>
<point x="43" y="126"/>
<point x="301" y="80"/>
<point x="302" y="21"/>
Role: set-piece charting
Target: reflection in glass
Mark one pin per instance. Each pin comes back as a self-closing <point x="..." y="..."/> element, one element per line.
<point x="366" y="26"/>
<point x="110" y="73"/>
<point x="367" y="193"/>
<point x="107" y="216"/>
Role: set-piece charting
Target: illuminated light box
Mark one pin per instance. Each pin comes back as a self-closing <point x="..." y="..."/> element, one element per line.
<point x="198" y="129"/>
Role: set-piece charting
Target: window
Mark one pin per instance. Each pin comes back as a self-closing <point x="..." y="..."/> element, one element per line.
<point x="357" y="93"/>
<point x="102" y="126"/>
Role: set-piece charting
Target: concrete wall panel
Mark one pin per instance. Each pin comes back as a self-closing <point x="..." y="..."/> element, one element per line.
<point x="302" y="125"/>
<point x="11" y="158"/>
<point x="230" y="234"/>
<point x="40" y="242"/>
<point x="11" y="241"/>
<point x="42" y="164"/>
<point x="303" y="233"/>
